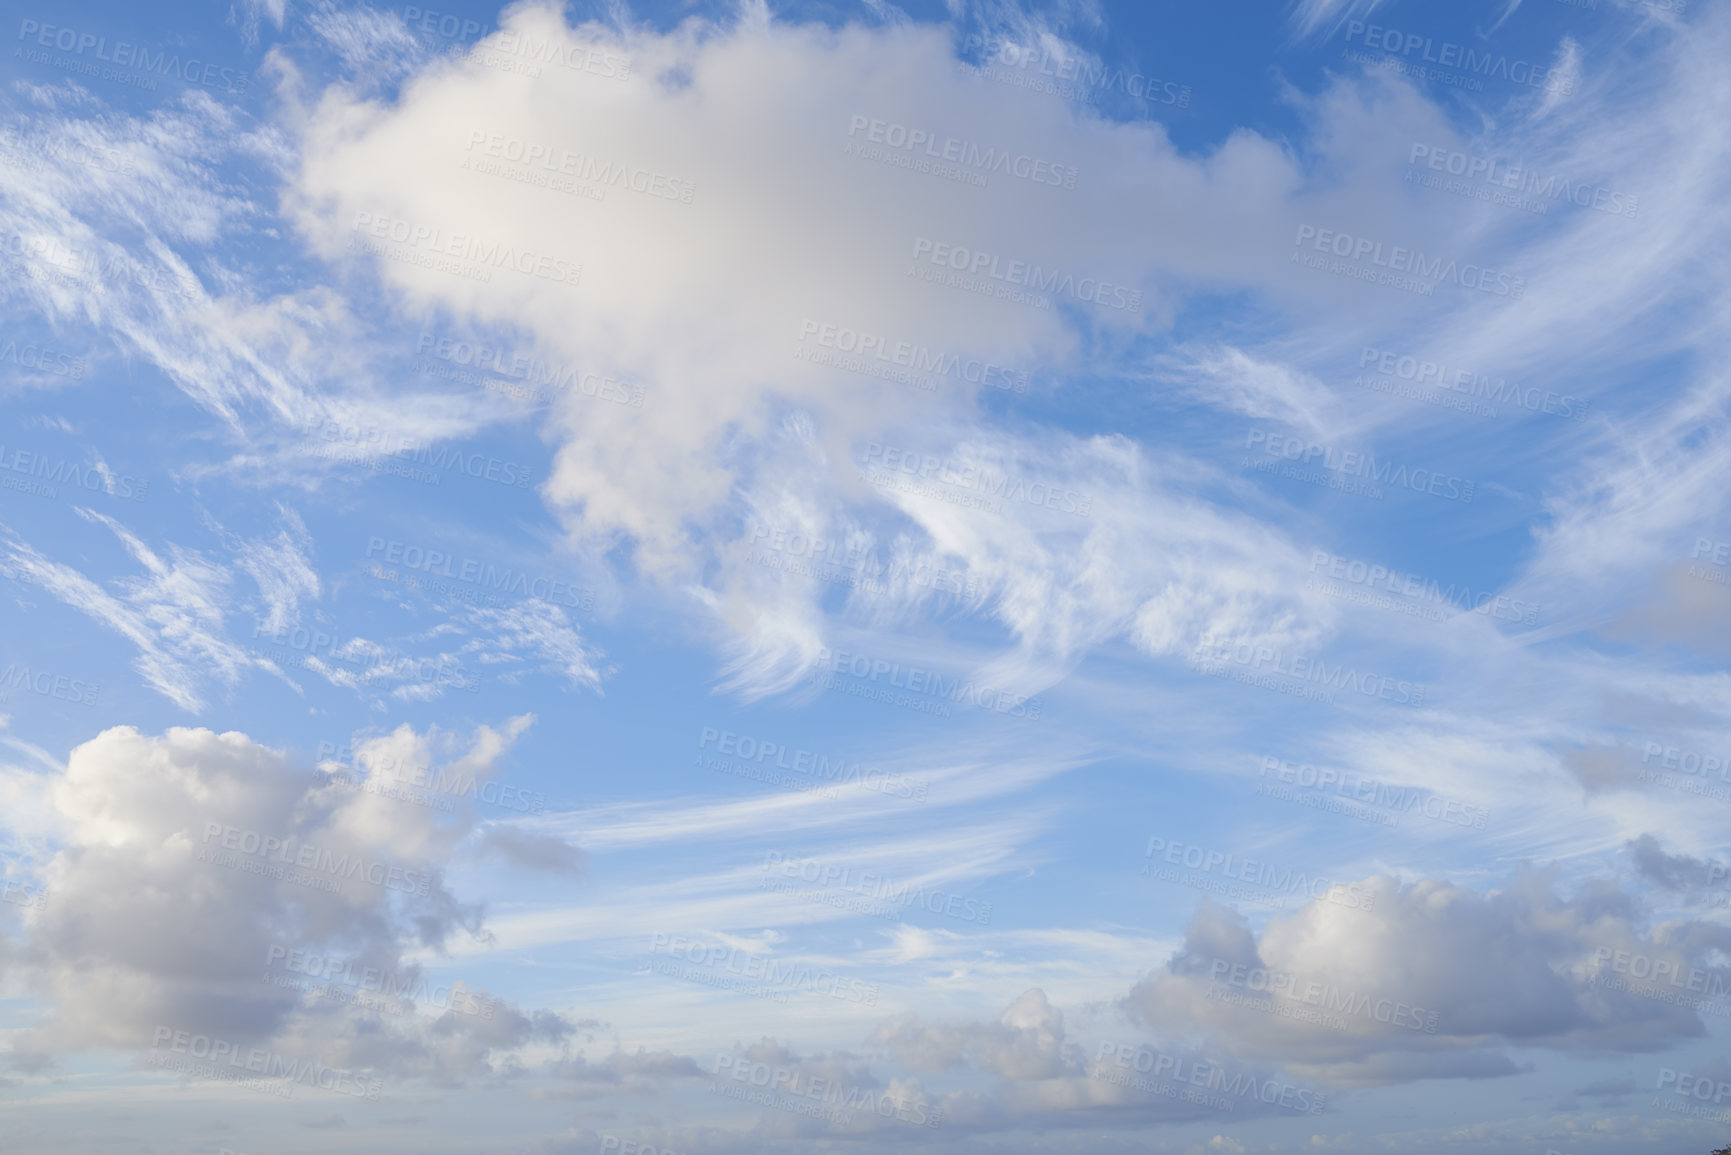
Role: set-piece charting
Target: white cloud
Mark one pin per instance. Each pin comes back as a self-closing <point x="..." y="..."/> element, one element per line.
<point x="1023" y="1044"/>
<point x="1310" y="17"/>
<point x="761" y="131"/>
<point x="1242" y="383"/>
<point x="283" y="570"/>
<point x="537" y="630"/>
<point x="166" y="907"/>
<point x="172" y="613"/>
<point x="1432" y="981"/>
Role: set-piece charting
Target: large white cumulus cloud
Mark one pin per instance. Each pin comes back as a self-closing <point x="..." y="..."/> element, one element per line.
<point x="719" y="304"/>
<point x="166" y="910"/>
<point x="1435" y="980"/>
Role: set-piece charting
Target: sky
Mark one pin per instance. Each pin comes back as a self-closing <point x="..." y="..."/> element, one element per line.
<point x="1006" y="575"/>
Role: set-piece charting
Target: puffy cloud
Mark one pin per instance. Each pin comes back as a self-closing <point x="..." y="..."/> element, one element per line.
<point x="187" y="865"/>
<point x="763" y="125"/>
<point x="1431" y="980"/>
<point x="1117" y="1083"/>
<point x="756" y="421"/>
<point x="1025" y="1042"/>
<point x="1679" y="872"/>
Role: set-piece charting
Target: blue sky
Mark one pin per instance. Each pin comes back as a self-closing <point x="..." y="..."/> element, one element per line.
<point x="721" y="578"/>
